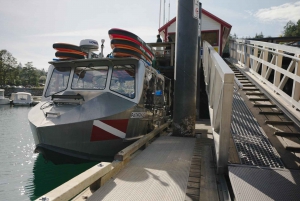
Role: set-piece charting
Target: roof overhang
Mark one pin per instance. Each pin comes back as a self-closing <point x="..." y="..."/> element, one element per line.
<point x="205" y="12"/>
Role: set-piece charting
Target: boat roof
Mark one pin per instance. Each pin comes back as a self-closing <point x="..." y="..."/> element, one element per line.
<point x="23" y="93"/>
<point x="1" y="89"/>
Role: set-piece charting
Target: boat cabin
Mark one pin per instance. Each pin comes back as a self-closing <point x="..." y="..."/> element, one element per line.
<point x="82" y="80"/>
<point x="21" y="98"/>
<point x="3" y="100"/>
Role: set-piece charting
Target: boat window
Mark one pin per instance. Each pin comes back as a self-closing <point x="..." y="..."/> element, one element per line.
<point x="90" y="78"/>
<point x="58" y="81"/>
<point x="123" y="80"/>
<point x="21" y="97"/>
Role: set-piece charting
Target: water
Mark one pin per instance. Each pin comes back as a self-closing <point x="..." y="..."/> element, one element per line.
<point x="25" y="175"/>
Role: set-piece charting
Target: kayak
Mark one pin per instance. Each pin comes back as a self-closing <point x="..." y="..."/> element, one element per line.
<point x="118" y="43"/>
<point x="68" y="55"/>
<point x="126" y="35"/>
<point x="122" y="52"/>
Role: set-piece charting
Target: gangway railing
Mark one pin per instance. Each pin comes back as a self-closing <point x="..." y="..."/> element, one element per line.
<point x="275" y="69"/>
<point x="219" y="81"/>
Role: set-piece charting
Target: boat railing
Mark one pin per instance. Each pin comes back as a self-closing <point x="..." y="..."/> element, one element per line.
<point x="274" y="68"/>
<point x="219" y="81"/>
<point x="164" y="51"/>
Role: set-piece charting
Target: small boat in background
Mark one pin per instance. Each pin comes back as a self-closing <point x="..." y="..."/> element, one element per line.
<point x="21" y="98"/>
<point x="3" y="100"/>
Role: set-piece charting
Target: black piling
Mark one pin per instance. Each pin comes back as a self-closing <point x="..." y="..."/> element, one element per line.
<point x="185" y="74"/>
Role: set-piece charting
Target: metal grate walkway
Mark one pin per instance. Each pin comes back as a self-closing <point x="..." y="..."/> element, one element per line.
<point x="256" y="183"/>
<point x="251" y="143"/>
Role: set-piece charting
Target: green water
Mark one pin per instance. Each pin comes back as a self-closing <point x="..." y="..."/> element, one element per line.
<point x="25" y="175"/>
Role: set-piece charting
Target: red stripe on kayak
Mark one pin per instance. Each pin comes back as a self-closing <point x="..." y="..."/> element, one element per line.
<point x="117" y="36"/>
<point x="120" y="124"/>
<point x="99" y="134"/>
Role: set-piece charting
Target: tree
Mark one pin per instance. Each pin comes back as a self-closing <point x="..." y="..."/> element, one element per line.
<point x="42" y="79"/>
<point x="291" y="29"/>
<point x="261" y="35"/>
<point x="29" y="75"/>
<point x="7" y="65"/>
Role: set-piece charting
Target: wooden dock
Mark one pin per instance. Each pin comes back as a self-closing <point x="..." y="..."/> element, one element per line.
<point x="170" y="168"/>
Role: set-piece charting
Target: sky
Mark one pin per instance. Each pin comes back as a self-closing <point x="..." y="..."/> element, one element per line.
<point x="29" y="28"/>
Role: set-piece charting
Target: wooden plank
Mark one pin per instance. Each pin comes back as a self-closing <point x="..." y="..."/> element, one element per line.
<point x="194" y="185"/>
<point x="279" y="122"/>
<point x="208" y="185"/>
<point x="71" y="188"/>
<point x="289" y="134"/>
<point x="125" y="153"/>
<point x="249" y="89"/>
<point x="293" y="148"/>
<point x="271" y="113"/>
<point x="191" y="198"/>
<point x="254" y="93"/>
<point x="264" y="105"/>
<point x="194" y="179"/>
<point x="259" y="99"/>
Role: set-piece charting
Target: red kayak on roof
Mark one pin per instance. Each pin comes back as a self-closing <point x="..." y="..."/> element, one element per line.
<point x="126" y="35"/>
<point x="124" y="52"/>
<point x="126" y="44"/>
<point x="68" y="51"/>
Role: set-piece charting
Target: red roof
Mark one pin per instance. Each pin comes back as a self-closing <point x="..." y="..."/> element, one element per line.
<point x="205" y="12"/>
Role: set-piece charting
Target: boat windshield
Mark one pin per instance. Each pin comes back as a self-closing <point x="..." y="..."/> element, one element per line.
<point x="90" y="78"/>
<point x="58" y="81"/>
<point x="123" y="80"/>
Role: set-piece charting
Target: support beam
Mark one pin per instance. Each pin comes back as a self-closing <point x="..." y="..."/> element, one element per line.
<point x="186" y="68"/>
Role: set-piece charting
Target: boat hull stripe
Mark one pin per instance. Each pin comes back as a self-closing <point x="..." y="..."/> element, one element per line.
<point x="109" y="129"/>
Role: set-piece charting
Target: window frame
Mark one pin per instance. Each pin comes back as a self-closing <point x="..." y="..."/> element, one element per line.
<point x="134" y="87"/>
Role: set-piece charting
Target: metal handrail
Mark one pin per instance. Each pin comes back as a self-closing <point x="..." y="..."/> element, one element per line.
<point x="250" y="55"/>
<point x="219" y="81"/>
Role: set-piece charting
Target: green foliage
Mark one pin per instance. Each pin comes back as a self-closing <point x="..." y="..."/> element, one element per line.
<point x="12" y="73"/>
<point x="292" y="29"/>
<point x="261" y="35"/>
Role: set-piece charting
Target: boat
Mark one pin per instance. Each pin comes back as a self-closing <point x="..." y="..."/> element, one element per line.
<point x="3" y="100"/>
<point x="21" y="99"/>
<point x="92" y="108"/>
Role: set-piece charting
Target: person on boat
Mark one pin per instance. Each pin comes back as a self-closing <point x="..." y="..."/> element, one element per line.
<point x="169" y="40"/>
<point x="158" y="39"/>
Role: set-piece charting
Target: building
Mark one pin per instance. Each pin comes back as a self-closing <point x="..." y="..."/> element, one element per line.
<point x="213" y="29"/>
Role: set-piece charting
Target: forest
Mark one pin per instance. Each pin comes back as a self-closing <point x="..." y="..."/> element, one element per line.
<point x="13" y="74"/>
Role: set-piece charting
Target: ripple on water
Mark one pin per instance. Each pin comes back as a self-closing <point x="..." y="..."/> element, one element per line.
<point x="23" y="174"/>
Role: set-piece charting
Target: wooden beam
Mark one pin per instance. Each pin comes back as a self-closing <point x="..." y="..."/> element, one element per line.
<point x="264" y="105"/>
<point x="287" y="134"/>
<point x="125" y="153"/>
<point x="259" y="99"/>
<point x="254" y="93"/>
<point x="271" y="113"/>
<point x="250" y="89"/>
<point x="279" y="122"/>
<point x="293" y="148"/>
